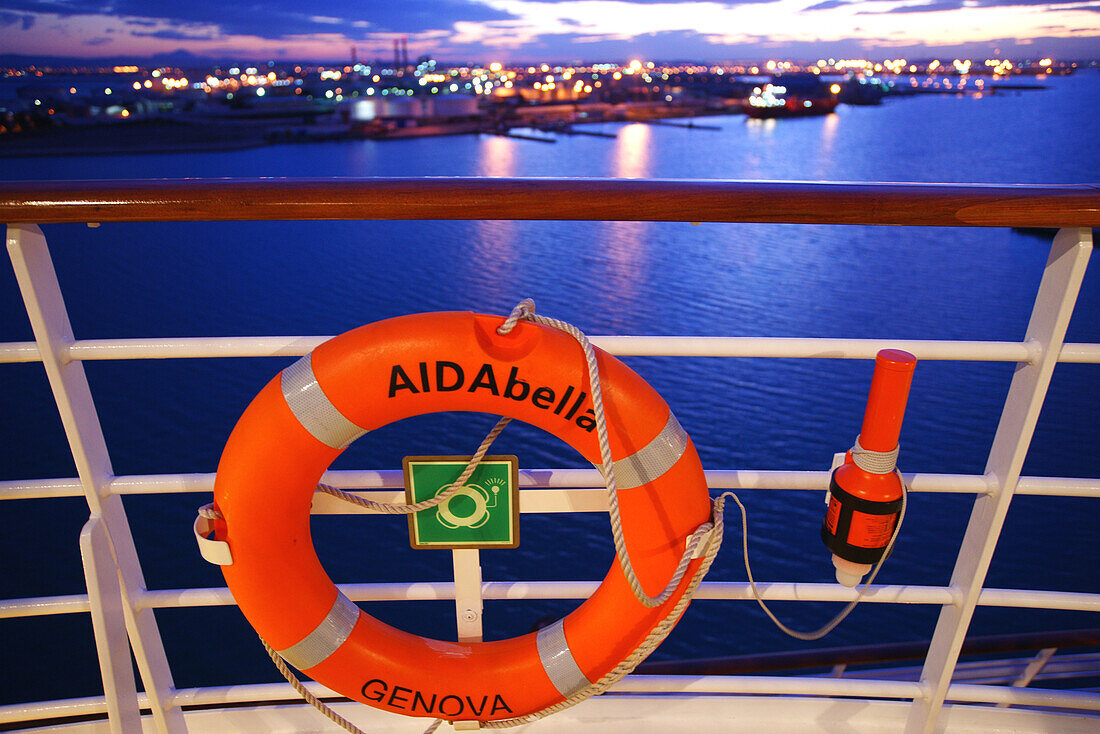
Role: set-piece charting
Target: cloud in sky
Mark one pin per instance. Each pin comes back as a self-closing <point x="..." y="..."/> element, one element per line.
<point x="930" y="6"/>
<point x="527" y="29"/>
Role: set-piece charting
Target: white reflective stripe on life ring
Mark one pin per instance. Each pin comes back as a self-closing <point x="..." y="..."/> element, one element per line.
<point x="309" y="404"/>
<point x="326" y="637"/>
<point x="558" y="661"/>
<point x="655" y="458"/>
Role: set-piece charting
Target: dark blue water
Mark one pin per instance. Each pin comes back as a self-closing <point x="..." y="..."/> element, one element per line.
<point x="129" y="280"/>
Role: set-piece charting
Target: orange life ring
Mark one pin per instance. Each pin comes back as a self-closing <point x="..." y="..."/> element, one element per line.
<point x="379" y="373"/>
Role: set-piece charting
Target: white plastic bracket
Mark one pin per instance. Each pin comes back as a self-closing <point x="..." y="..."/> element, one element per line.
<point x="214" y="551"/>
<point x="838" y="461"/>
<point x="703" y="544"/>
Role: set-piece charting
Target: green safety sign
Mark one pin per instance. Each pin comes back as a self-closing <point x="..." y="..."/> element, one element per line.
<point x="483" y="513"/>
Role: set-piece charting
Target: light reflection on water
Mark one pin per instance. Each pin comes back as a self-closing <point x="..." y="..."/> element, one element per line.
<point x="830" y="126"/>
<point x="625" y="255"/>
<point x="497" y="156"/>
<point x="633" y="152"/>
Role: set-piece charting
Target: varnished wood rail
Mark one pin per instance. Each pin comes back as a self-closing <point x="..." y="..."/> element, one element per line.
<point x="977" y="205"/>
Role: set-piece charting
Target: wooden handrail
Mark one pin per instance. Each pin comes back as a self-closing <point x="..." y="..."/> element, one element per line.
<point x="977" y="205"/>
<point x="880" y="654"/>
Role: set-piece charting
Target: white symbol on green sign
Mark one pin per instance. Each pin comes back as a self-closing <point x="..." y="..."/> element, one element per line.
<point x="481" y="498"/>
<point x="483" y="513"/>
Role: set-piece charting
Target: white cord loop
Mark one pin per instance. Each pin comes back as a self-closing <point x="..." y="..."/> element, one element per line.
<point x="209" y="512"/>
<point x="876" y="462"/>
<point x="522" y="309"/>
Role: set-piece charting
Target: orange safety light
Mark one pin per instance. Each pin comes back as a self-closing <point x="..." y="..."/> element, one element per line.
<point x="865" y="494"/>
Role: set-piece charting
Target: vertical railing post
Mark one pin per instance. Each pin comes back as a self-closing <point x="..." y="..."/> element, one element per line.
<point x="468" y="604"/>
<point x="53" y="333"/>
<point x="109" y="627"/>
<point x="1033" y="668"/>
<point x="1050" y="317"/>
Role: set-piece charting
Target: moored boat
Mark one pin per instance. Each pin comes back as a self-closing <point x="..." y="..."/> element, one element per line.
<point x="792" y="95"/>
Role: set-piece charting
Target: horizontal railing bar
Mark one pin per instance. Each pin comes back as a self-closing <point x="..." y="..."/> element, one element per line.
<point x="768" y="685"/>
<point x="1080" y="353"/>
<point x="884" y="654"/>
<point x="624" y="346"/>
<point x="1044" y="697"/>
<point x="581" y="482"/>
<point x="247" y="693"/>
<point x="581" y="479"/>
<point x="714" y="590"/>
<point x="62" y="708"/>
<point x="1025" y="599"/>
<point x="11" y="352"/>
<point x="655" y="346"/>
<point x="194" y="347"/>
<point x="43" y="605"/>
<point x="577" y="481"/>
<point x="813" y="348"/>
<point x="1058" y="487"/>
<point x="758" y="685"/>
<point x="658" y="346"/>
<point x="991" y="672"/>
<point x="797" y="202"/>
<point x="35" y="489"/>
<point x="813" y="686"/>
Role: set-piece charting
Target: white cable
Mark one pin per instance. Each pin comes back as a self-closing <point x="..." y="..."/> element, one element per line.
<point x="832" y="624"/>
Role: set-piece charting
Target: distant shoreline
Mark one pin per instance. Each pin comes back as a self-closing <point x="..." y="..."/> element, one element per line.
<point x="143" y="136"/>
<point x="44" y="151"/>
<point x="161" y="134"/>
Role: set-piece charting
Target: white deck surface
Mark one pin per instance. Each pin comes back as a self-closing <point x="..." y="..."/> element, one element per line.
<point x="645" y="714"/>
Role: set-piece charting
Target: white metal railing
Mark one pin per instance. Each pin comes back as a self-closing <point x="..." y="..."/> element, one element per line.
<point x="122" y="608"/>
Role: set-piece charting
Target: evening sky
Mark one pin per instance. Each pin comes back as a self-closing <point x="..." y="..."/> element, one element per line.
<point x="563" y="30"/>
